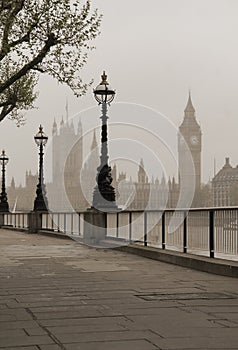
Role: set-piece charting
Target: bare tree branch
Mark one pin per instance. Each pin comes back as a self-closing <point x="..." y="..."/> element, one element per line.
<point x="6" y="110"/>
<point x="24" y="70"/>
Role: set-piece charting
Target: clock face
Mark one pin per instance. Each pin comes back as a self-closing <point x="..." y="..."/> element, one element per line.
<point x="194" y="140"/>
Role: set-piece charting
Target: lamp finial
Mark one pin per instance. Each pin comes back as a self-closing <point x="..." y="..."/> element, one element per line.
<point x="104" y="78"/>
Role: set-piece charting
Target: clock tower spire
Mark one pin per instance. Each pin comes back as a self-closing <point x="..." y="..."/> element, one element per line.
<point x="189" y="110"/>
<point x="189" y="141"/>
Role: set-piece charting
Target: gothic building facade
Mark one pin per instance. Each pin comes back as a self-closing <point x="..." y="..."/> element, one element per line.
<point x="65" y="191"/>
<point x="22" y="197"/>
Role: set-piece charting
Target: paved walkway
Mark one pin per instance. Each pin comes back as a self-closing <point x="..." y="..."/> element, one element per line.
<point x="57" y="294"/>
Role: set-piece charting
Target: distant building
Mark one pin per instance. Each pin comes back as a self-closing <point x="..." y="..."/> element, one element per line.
<point x="22" y="198"/>
<point x="89" y="173"/>
<point x="225" y="186"/>
<point x="65" y="192"/>
<point x="144" y="194"/>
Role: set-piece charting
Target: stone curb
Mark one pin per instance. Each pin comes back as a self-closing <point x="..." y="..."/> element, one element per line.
<point x="211" y="265"/>
<point x="49" y="233"/>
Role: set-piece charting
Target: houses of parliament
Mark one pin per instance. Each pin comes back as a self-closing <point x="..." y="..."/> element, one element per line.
<point x="74" y="180"/>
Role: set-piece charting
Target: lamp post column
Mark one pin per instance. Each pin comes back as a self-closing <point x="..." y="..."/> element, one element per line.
<point x="104" y="193"/>
<point x="4" y="206"/>
<point x="40" y="203"/>
<point x="104" y="146"/>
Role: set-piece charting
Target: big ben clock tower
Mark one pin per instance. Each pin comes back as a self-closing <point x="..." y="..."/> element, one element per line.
<point x="189" y="152"/>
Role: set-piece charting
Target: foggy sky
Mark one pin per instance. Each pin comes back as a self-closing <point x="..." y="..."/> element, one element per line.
<point x="154" y="51"/>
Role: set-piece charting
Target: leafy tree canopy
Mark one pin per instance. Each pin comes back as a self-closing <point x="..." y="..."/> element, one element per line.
<point x="42" y="36"/>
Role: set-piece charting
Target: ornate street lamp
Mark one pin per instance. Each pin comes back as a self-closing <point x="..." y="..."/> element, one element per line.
<point x="104" y="193"/>
<point x="41" y="202"/>
<point x="4" y="206"/>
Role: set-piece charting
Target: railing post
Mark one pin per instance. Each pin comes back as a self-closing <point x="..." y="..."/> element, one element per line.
<point x="1" y="219"/>
<point x="46" y="220"/>
<point x="145" y="228"/>
<point x="58" y="224"/>
<point x="52" y="221"/>
<point x="185" y="232"/>
<point x="117" y="228"/>
<point x="64" y="229"/>
<point x="105" y="220"/>
<point x="211" y="233"/>
<point x="130" y="226"/>
<point x="163" y="231"/>
<point x="72" y="224"/>
<point x="79" y="223"/>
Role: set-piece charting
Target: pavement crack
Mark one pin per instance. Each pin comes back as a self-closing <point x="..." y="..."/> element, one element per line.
<point x="32" y="314"/>
<point x="52" y="336"/>
<point x="154" y="332"/>
<point x="152" y="343"/>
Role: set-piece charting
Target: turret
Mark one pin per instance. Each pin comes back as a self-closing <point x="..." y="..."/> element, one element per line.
<point x="54" y="128"/>
<point x="142" y="177"/>
<point x="13" y="185"/>
<point x="67" y="112"/>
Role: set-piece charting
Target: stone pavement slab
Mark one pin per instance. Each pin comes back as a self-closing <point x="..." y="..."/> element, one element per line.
<point x="57" y="294"/>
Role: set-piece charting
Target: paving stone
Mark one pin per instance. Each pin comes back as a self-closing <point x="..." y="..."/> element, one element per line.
<point x="35" y="331"/>
<point x="113" y="345"/>
<point x="11" y="332"/>
<point x="105" y="336"/>
<point x="18" y="324"/>
<point x="90" y="321"/>
<point x="18" y="315"/>
<point x="4" y="318"/>
<point x="16" y="305"/>
<point x="81" y="309"/>
<point x="50" y="347"/>
<point x="203" y="343"/>
<point x="64" y="315"/>
<point x="226" y="323"/>
<point x="86" y="328"/>
<point x="20" y="348"/>
<point x="24" y="340"/>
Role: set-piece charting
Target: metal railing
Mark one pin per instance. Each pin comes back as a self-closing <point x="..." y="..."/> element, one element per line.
<point x="70" y="223"/>
<point x="16" y="220"/>
<point x="209" y="232"/>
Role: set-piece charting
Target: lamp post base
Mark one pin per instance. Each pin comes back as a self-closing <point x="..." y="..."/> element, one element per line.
<point x="39" y="205"/>
<point x="4" y="207"/>
<point x="104" y="197"/>
<point x="102" y="204"/>
<point x="41" y="202"/>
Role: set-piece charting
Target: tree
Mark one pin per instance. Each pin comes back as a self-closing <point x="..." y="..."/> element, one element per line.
<point x="42" y="36"/>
